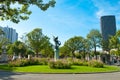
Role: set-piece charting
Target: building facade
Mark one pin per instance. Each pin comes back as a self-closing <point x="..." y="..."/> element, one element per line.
<point x="108" y="26"/>
<point x="10" y="34"/>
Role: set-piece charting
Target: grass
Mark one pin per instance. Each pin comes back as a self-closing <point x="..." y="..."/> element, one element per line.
<point x="46" y="69"/>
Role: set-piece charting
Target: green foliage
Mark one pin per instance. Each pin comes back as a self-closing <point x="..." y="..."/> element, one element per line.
<point x="48" y="50"/>
<point x="9" y="10"/>
<point x="79" y="62"/>
<point x="78" y="55"/>
<point x="74" y="44"/>
<point x="115" y="41"/>
<point x="3" y="40"/>
<point x="94" y="38"/>
<point x="18" y="63"/>
<point x="17" y="47"/>
<point x="94" y="63"/>
<point x="37" y="40"/>
<point x="29" y="52"/>
<point x="60" y="64"/>
<point x="105" y="45"/>
<point x="1" y="32"/>
<point x="64" y="52"/>
<point x="115" y="52"/>
<point x="28" y="62"/>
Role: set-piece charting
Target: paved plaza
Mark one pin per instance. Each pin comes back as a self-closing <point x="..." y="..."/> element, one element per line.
<point x="29" y="76"/>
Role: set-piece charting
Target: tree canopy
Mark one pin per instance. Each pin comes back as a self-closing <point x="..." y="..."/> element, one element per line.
<point x="21" y="11"/>
<point x="95" y="39"/>
<point x="74" y="44"/>
<point x="114" y="43"/>
<point x="37" y="40"/>
<point x="3" y="40"/>
<point x="18" y="48"/>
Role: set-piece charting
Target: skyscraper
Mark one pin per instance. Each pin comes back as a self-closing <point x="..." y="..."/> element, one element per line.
<point x="10" y="34"/>
<point x="108" y="26"/>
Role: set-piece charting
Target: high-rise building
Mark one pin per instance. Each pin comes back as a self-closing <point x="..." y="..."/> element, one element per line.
<point x="108" y="26"/>
<point x="10" y="34"/>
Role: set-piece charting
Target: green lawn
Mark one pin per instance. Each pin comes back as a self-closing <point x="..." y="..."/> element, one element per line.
<point x="46" y="69"/>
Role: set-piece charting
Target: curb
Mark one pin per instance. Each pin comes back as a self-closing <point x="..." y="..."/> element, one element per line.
<point x="58" y="73"/>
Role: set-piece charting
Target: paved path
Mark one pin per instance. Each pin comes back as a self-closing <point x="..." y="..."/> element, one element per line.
<point x="21" y="76"/>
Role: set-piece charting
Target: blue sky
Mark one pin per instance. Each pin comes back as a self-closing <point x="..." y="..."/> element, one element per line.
<point x="68" y="18"/>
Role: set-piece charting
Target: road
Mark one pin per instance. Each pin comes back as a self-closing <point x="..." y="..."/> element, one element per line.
<point x="29" y="76"/>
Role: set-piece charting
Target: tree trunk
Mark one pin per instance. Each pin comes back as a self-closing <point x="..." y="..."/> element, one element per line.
<point x="73" y="55"/>
<point x="37" y="53"/>
<point x="84" y="54"/>
<point x="95" y="54"/>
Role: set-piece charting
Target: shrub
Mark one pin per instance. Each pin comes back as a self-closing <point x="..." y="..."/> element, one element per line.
<point x="60" y="64"/>
<point x="79" y="62"/>
<point x="43" y="61"/>
<point x="18" y="63"/>
<point x="94" y="63"/>
<point x="70" y="60"/>
<point x="26" y="62"/>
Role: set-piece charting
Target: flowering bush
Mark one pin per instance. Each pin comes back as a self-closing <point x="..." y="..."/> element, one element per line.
<point x="79" y="62"/>
<point x="27" y="62"/>
<point x="60" y="64"/>
<point x="95" y="63"/>
<point x="18" y="63"/>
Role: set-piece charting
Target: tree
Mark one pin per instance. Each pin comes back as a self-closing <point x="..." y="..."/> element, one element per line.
<point x="17" y="48"/>
<point x="105" y="45"/>
<point x="74" y="44"/>
<point x="3" y="40"/>
<point x="37" y="40"/>
<point x="95" y="39"/>
<point x="1" y="32"/>
<point x="115" y="42"/>
<point x="48" y="50"/>
<point x="86" y="48"/>
<point x="64" y="51"/>
<point x="21" y="12"/>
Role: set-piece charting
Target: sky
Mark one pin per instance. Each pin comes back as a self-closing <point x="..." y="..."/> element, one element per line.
<point x="68" y="18"/>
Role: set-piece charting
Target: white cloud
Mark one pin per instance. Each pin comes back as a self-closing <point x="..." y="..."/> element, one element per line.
<point x="105" y="7"/>
<point x="99" y="13"/>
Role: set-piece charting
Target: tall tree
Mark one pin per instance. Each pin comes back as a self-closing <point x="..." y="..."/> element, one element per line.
<point x="115" y="42"/>
<point x="86" y="48"/>
<point x="17" y="48"/>
<point x="64" y="51"/>
<point x="37" y="40"/>
<point x="105" y="45"/>
<point x="95" y="39"/>
<point x="48" y="50"/>
<point x="21" y="12"/>
<point x="1" y="32"/>
<point x="74" y="44"/>
<point x="3" y="40"/>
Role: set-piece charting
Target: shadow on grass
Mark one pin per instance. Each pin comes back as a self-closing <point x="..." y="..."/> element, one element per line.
<point x="6" y="73"/>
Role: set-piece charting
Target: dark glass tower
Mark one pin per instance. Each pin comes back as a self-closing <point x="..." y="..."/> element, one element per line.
<point x="108" y="26"/>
